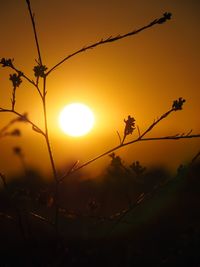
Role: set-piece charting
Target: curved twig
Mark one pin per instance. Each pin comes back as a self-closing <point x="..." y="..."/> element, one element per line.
<point x="112" y="39"/>
<point x="134" y="141"/>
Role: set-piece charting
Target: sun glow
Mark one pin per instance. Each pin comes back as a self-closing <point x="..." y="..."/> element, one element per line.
<point x="76" y="119"/>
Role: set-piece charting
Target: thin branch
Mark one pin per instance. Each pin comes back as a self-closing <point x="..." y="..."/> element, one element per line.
<point x="92" y="160"/>
<point x="34" y="30"/>
<point x="134" y="141"/>
<point x="46" y="130"/>
<point x="124" y="137"/>
<point x="156" y="122"/>
<point x="71" y="169"/>
<point x="110" y="39"/>
<point x="50" y="154"/>
<point x="120" y="139"/>
<point x="138" y="129"/>
<point x="24" y="118"/>
<point x="13" y="100"/>
<point x="172" y="137"/>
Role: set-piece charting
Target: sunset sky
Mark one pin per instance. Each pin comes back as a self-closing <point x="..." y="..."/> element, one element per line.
<point x="138" y="76"/>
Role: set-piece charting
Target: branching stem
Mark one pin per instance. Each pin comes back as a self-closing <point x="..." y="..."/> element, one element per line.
<point x="46" y="130"/>
<point x="156" y="122"/>
<point x="140" y="138"/>
<point x="132" y="142"/>
<point x="50" y="154"/>
<point x="105" y="41"/>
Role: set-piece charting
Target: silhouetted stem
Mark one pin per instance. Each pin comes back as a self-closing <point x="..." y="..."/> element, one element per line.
<point x="175" y="137"/>
<point x="43" y="97"/>
<point x="156" y="122"/>
<point x="50" y="153"/>
<point x="13" y="98"/>
<point x="102" y="41"/>
<point x="46" y="130"/>
<point x="120" y="140"/>
<point x="151" y="126"/>
<point x="124" y="137"/>
<point x="134" y="141"/>
<point x="22" y="117"/>
<point x="34" y="30"/>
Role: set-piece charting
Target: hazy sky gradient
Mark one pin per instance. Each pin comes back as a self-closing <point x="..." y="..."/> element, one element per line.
<point x="140" y="76"/>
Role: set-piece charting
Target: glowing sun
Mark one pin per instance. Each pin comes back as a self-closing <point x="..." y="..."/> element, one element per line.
<point x="76" y="119"/>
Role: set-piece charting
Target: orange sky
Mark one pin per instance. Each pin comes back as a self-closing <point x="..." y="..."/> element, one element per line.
<point x="140" y="76"/>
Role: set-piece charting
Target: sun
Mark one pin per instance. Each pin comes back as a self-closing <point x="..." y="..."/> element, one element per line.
<point x="76" y="119"/>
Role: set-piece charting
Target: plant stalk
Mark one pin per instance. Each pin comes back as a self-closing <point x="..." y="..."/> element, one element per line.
<point x="50" y="154"/>
<point x="34" y="30"/>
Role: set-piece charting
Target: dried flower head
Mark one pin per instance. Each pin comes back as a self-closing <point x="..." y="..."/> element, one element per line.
<point x="39" y="70"/>
<point x="166" y="16"/>
<point x="15" y="79"/>
<point x="130" y="125"/>
<point x="6" y="62"/>
<point x="177" y="104"/>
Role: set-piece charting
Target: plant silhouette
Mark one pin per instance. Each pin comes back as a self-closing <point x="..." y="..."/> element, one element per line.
<point x="146" y="184"/>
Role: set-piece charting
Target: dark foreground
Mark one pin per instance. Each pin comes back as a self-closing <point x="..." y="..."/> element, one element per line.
<point x="162" y="230"/>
